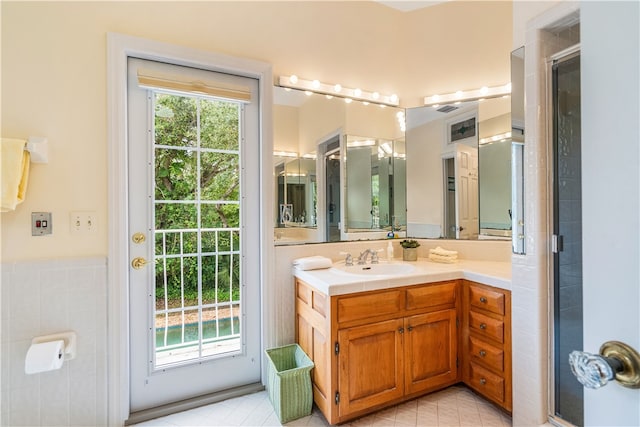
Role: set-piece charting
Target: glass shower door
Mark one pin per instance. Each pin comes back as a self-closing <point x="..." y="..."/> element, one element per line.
<point x="567" y="236"/>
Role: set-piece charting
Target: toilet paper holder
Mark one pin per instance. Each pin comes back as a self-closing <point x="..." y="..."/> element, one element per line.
<point x="69" y="338"/>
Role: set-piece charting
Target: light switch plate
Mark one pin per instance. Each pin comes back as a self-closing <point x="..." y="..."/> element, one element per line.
<point x="85" y="222"/>
<point x="41" y="223"/>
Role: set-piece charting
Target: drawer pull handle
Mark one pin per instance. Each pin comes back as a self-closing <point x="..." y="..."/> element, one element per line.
<point x="483" y="381"/>
<point x="483" y="326"/>
<point x="483" y="300"/>
<point x="401" y="330"/>
<point x="410" y="328"/>
<point x="482" y="353"/>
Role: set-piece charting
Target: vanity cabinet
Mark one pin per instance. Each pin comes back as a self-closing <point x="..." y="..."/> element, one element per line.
<point x="486" y="341"/>
<point x="372" y="349"/>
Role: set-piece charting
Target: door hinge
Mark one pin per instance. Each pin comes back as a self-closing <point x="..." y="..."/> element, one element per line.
<point x="337" y="398"/>
<point x="457" y="363"/>
<point x="336" y="349"/>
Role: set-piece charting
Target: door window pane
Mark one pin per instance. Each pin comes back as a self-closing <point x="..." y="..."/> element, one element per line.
<point x="197" y="226"/>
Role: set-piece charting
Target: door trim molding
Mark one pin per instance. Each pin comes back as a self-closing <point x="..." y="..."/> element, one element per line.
<point x="119" y="48"/>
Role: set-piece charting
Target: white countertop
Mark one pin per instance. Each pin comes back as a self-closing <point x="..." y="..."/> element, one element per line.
<point x="332" y="281"/>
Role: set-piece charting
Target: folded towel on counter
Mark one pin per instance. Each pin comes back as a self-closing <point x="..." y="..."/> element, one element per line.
<point x="442" y="255"/>
<point x="312" y="263"/>
<point x="14" y="166"/>
<point x="443" y="259"/>
<point x="443" y="252"/>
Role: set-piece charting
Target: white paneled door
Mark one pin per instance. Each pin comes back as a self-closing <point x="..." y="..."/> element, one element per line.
<point x="467" y="208"/>
<point x="193" y="179"/>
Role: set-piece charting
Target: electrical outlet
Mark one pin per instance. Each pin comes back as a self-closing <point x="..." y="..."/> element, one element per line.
<point x="83" y="222"/>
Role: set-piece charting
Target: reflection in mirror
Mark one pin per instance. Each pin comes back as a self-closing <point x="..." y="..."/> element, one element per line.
<point x="447" y="194"/>
<point x="321" y="198"/>
<point x="297" y="193"/>
<point x="295" y="180"/>
<point x="517" y="150"/>
<point x="375" y="178"/>
<point x="494" y="153"/>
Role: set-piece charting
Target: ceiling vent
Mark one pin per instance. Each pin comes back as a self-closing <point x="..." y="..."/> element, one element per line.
<point x="447" y="108"/>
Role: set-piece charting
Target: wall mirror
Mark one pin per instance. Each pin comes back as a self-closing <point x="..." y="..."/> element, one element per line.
<point x="295" y="180"/>
<point x="375" y="186"/>
<point x="459" y="170"/>
<point x="348" y="172"/>
<point x="517" y="150"/>
<point x="339" y="169"/>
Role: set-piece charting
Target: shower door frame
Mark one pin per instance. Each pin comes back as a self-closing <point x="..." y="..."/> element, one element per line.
<point x="560" y="56"/>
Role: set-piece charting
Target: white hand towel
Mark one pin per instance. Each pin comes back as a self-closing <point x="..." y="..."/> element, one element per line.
<point x="15" y="173"/>
<point x="312" y="263"/>
<point x="443" y="252"/>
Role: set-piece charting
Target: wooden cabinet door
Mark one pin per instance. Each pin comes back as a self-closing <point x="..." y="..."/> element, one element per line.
<point x="430" y="350"/>
<point x="370" y="360"/>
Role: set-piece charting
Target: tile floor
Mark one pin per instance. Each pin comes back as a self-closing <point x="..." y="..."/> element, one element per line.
<point x="454" y="406"/>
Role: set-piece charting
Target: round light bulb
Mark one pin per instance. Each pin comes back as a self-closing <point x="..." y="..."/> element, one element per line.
<point x="337" y="88"/>
<point x="375" y="95"/>
<point x="293" y="79"/>
<point x="315" y="84"/>
<point x="308" y="92"/>
<point x="348" y="100"/>
<point x="459" y="94"/>
<point x="394" y="98"/>
<point x="435" y="98"/>
<point x="329" y="96"/>
<point x="357" y="92"/>
<point x="484" y="90"/>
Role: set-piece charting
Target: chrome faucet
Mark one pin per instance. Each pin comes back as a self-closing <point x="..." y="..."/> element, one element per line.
<point x="362" y="259"/>
<point x="348" y="260"/>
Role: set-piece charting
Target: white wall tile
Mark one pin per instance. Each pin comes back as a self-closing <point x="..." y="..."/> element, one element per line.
<point x="530" y="281"/>
<point x="44" y="297"/>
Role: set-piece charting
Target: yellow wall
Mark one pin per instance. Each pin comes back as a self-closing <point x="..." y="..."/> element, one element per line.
<point x="54" y="77"/>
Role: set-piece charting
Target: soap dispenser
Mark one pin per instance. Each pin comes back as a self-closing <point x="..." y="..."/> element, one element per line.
<point x="389" y="251"/>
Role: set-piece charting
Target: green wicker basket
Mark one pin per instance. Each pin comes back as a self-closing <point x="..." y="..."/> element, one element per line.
<point x="289" y="382"/>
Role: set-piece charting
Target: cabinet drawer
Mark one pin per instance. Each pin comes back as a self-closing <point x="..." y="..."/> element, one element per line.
<point x="366" y="306"/>
<point x="425" y="296"/>
<point x="486" y="354"/>
<point x="486" y="326"/>
<point x="486" y="299"/>
<point x="487" y="383"/>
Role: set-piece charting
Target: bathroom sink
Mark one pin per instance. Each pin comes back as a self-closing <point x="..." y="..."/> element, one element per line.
<point x="382" y="269"/>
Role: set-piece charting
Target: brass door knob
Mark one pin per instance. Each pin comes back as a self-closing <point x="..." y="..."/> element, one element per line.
<point x="138" y="238"/>
<point x="138" y="263"/>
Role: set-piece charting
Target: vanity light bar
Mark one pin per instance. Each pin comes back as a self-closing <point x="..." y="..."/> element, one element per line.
<point x="468" y="95"/>
<point x="285" y="153"/>
<point x="361" y="143"/>
<point x="494" y="138"/>
<point x="329" y="90"/>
